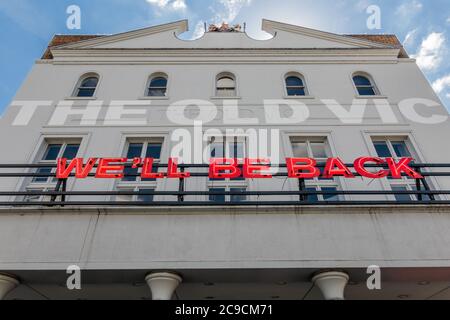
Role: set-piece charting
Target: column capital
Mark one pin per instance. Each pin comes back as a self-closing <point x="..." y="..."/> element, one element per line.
<point x="163" y="284"/>
<point x="332" y="284"/>
<point x="7" y="284"/>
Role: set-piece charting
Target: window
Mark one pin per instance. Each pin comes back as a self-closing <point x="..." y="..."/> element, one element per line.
<point x="397" y="147"/>
<point x="52" y="150"/>
<point x="227" y="147"/>
<point x="86" y="86"/>
<point x="226" y="85"/>
<point x="140" y="148"/>
<point x="143" y="194"/>
<point x="295" y="85"/>
<point x="223" y="198"/>
<point x="157" y="86"/>
<point x="317" y="148"/>
<point x="364" y="85"/>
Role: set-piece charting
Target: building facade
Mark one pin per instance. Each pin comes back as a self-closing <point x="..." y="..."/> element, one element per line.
<point x="147" y="93"/>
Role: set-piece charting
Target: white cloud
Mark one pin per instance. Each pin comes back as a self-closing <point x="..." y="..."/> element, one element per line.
<point x="409" y="8"/>
<point x="179" y="5"/>
<point x="441" y="84"/>
<point x="159" y="3"/>
<point x="430" y="53"/>
<point x="169" y="4"/>
<point x="410" y="38"/>
<point x="199" y="30"/>
<point x="230" y="10"/>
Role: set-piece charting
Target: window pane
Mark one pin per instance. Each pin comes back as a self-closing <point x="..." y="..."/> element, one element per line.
<point x="295" y="91"/>
<point x="33" y="198"/>
<point x="236" y="150"/>
<point x="42" y="179"/>
<point x="71" y="151"/>
<point x="154" y="150"/>
<point x="90" y="82"/>
<point x="361" y="81"/>
<point x="330" y="197"/>
<point x="318" y="150"/>
<point x="224" y="92"/>
<point x="157" y="92"/>
<point x="382" y="149"/>
<point x="312" y="197"/>
<point x="154" y="169"/>
<point x="400" y="148"/>
<point x="217" y="150"/>
<point x="217" y="198"/>
<point x="294" y="82"/>
<point x="124" y="198"/>
<point x="366" y="91"/>
<point x="52" y="152"/>
<point x="85" y="92"/>
<point x="425" y="197"/>
<point x="401" y="197"/>
<point x="134" y="151"/>
<point x="225" y="82"/>
<point x="238" y="198"/>
<point x="300" y="149"/>
<point x="144" y="197"/>
<point x="158" y="82"/>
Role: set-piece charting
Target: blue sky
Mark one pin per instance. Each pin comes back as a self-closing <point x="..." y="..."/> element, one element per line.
<point x="26" y="26"/>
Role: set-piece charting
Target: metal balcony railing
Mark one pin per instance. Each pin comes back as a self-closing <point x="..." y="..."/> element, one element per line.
<point x="60" y="196"/>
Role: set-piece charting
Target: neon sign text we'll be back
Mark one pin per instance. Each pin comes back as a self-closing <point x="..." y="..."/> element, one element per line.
<point x="227" y="168"/>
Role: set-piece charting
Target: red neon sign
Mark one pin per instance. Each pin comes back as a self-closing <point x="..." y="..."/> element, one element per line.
<point x="222" y="168"/>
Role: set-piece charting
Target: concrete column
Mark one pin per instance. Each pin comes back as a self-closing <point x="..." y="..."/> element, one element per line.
<point x="7" y="284"/>
<point x="331" y="284"/>
<point x="163" y="284"/>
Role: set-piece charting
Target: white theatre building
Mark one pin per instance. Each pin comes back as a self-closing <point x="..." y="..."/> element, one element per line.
<point x="122" y="96"/>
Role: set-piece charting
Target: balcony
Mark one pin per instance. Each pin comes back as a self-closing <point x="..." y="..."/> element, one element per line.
<point x="421" y="191"/>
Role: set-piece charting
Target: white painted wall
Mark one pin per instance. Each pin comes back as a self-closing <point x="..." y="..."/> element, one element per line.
<point x="233" y="240"/>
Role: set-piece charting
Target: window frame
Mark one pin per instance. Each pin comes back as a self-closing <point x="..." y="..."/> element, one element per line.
<point x="138" y="184"/>
<point x="64" y="144"/>
<point x="149" y="81"/>
<point x="317" y="183"/>
<point x="44" y="141"/>
<point x="373" y="84"/>
<point x="228" y="184"/>
<point x="410" y="184"/>
<point x="230" y="75"/>
<point x="304" y="87"/>
<point x="83" y="77"/>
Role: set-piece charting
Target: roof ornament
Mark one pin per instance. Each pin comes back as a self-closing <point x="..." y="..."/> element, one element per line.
<point x="225" y="27"/>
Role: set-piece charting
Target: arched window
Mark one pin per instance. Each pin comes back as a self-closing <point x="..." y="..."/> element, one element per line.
<point x="364" y="85"/>
<point x="295" y="85"/>
<point x="86" y="86"/>
<point x="157" y="85"/>
<point x="226" y="85"/>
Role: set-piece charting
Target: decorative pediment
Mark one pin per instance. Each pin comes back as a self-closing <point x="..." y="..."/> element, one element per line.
<point x="284" y="36"/>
